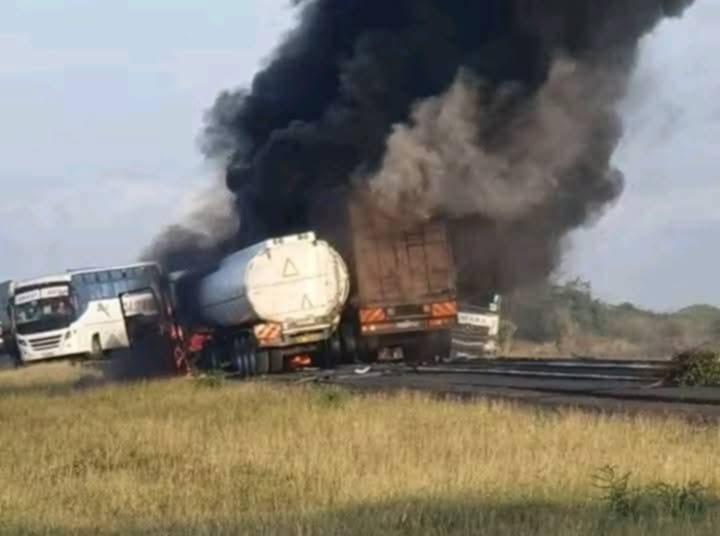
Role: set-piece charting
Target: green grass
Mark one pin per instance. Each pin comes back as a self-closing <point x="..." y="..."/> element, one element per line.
<point x="198" y="457"/>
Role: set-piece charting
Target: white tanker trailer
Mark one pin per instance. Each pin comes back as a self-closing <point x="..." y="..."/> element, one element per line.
<point x="277" y="299"/>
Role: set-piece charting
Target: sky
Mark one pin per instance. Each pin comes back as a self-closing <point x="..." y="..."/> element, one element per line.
<point x="658" y="245"/>
<point x="102" y="105"/>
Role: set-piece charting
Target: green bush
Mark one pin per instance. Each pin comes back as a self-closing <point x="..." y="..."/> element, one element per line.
<point x="656" y="500"/>
<point x="621" y="500"/>
<point x="696" y="367"/>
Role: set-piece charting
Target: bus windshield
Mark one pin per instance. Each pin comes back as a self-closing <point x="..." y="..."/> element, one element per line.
<point x="42" y="310"/>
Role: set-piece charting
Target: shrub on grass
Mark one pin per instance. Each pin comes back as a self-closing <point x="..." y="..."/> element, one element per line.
<point x="696" y="367"/>
<point x="656" y="500"/>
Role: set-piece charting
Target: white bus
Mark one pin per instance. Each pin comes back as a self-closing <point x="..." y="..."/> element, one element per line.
<point x="78" y="314"/>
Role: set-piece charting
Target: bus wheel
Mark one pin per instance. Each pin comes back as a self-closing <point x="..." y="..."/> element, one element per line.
<point x="262" y="360"/>
<point x="277" y="362"/>
<point x="96" y="351"/>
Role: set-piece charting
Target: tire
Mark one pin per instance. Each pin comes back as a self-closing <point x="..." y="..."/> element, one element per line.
<point x="349" y="343"/>
<point x="239" y="357"/>
<point x="262" y="360"/>
<point x="251" y="355"/>
<point x="336" y="346"/>
<point x="277" y="362"/>
<point x="331" y="354"/>
<point x="368" y="349"/>
<point x="214" y="357"/>
<point x="96" y="351"/>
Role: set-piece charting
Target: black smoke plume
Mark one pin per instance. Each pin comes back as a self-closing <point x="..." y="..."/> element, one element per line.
<point x="498" y="114"/>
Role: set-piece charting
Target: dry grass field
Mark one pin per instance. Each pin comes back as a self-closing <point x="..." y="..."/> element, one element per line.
<point x="210" y="457"/>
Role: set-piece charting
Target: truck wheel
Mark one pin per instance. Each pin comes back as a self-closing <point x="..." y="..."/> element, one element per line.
<point x="212" y="357"/>
<point x="251" y="360"/>
<point x="349" y="343"/>
<point x="331" y="353"/>
<point x="277" y="362"/>
<point x="262" y="360"/>
<point x="239" y="357"/>
<point x="368" y="348"/>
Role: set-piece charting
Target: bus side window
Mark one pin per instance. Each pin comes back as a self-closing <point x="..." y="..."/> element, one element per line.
<point x="82" y="286"/>
<point x="121" y="287"/>
<point x="104" y="288"/>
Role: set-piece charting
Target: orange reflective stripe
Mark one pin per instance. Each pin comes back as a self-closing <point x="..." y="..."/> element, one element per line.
<point x="265" y="332"/>
<point x="369" y="316"/>
<point x="444" y="309"/>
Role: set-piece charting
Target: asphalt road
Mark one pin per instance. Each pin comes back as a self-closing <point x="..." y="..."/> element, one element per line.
<point x="634" y="387"/>
<point x="597" y="385"/>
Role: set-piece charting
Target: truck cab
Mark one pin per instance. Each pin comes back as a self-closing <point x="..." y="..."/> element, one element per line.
<point x="477" y="333"/>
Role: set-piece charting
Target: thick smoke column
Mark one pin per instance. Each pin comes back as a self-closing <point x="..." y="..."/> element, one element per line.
<point x="497" y="112"/>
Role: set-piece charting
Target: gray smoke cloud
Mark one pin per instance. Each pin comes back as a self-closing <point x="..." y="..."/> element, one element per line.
<point x="467" y="152"/>
<point x="204" y="233"/>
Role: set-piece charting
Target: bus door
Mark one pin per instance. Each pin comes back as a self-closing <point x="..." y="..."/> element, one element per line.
<point x="150" y="343"/>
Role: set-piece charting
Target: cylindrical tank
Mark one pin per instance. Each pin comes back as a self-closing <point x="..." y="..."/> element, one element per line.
<point x="290" y="280"/>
